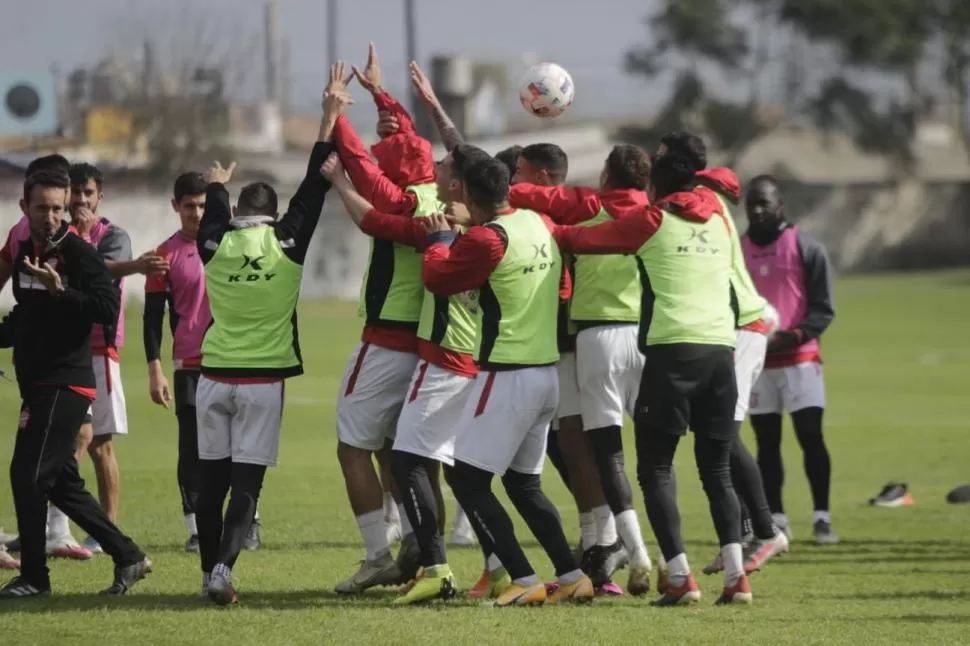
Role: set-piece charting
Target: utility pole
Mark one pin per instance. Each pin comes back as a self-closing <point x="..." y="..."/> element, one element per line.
<point x="332" y="31"/>
<point x="422" y="120"/>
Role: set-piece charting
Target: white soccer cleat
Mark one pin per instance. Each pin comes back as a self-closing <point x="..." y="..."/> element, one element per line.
<point x="65" y="547"/>
<point x="383" y="571"/>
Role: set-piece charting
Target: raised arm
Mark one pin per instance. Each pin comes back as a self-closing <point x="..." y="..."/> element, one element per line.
<point x="564" y="204"/>
<point x="217" y="214"/>
<point x="450" y="136"/>
<point x="367" y="176"/>
<point x="625" y="235"/>
<point x="453" y="268"/>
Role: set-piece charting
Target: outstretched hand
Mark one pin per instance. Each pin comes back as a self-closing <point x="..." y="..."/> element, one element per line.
<point x="45" y="273"/>
<point x="340" y="76"/>
<point x="422" y="85"/>
<point x="333" y="168"/>
<point x="216" y="173"/>
<point x="370" y="78"/>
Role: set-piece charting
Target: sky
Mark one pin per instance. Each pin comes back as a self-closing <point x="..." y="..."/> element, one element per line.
<point x="583" y="37"/>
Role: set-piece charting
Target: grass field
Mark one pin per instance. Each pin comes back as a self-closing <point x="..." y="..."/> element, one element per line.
<point x="898" y="372"/>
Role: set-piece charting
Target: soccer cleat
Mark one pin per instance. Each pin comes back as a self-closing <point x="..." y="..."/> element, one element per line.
<point x="220" y="590"/>
<point x="206" y="577"/>
<point x="92" y="545"/>
<point x="253" y="541"/>
<point x="440" y="586"/>
<point x="408" y="559"/>
<point x="521" y="595"/>
<point x="740" y="592"/>
<point x="781" y="522"/>
<point x="679" y="595"/>
<point x="126" y="577"/>
<point x="600" y="562"/>
<point x="20" y="588"/>
<point x="638" y="582"/>
<point x="7" y="562"/>
<point x="482" y="586"/>
<point x="759" y="552"/>
<point x="490" y="585"/>
<point x="65" y="547"/>
<point x="192" y="544"/>
<point x="662" y="580"/>
<point x="383" y="571"/>
<point x="609" y="590"/>
<point x="716" y="565"/>
<point x="579" y="591"/>
<point x="824" y="534"/>
<point x="893" y="494"/>
<point x="959" y="495"/>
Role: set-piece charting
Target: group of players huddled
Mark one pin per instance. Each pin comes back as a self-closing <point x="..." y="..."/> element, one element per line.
<point x="507" y="317"/>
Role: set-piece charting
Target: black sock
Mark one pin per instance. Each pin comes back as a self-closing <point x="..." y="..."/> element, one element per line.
<point x="713" y="455"/>
<point x="608" y="451"/>
<point x="525" y="492"/>
<point x="188" y="458"/>
<point x="746" y="478"/>
<point x="655" y="458"/>
<point x="818" y="464"/>
<point x="246" y="483"/>
<point x="214" y="480"/>
<point x="417" y="496"/>
<point x="555" y="456"/>
<point x="767" y="432"/>
<point x="473" y="488"/>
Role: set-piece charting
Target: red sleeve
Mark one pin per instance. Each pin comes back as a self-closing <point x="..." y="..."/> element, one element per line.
<point x="366" y="176"/>
<point x="6" y="254"/>
<point x="387" y="103"/>
<point x="406" y="231"/>
<point x="464" y="265"/>
<point x="624" y="235"/>
<point x="564" y="204"/>
<point x="158" y="283"/>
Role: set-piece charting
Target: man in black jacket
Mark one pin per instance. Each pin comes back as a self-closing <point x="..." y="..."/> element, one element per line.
<point x="62" y="288"/>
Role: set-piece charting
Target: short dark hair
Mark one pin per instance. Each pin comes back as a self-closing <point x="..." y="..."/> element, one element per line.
<point x="550" y="158"/>
<point x="189" y="184"/>
<point x="48" y="178"/>
<point x="509" y="157"/>
<point x="258" y="198"/>
<point x="463" y="155"/>
<point x="689" y="145"/>
<point x="487" y="182"/>
<point x="628" y="166"/>
<point x="770" y="180"/>
<point x="82" y="172"/>
<point x="48" y="162"/>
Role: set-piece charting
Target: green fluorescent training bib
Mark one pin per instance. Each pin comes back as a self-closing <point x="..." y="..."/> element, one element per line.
<point x="606" y="288"/>
<point x="751" y="305"/>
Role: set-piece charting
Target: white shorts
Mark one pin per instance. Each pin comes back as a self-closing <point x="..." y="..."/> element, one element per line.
<point x="239" y="421"/>
<point x="372" y="392"/>
<point x="788" y="389"/>
<point x="609" y="366"/>
<point x="749" y="360"/>
<point x="568" y="387"/>
<point x="109" y="415"/>
<point x="430" y="417"/>
<point x="506" y="420"/>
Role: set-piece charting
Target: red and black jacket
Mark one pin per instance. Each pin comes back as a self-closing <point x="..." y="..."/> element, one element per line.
<point x="51" y="333"/>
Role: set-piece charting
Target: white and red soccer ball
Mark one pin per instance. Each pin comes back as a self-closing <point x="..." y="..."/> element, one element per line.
<point x="546" y="90"/>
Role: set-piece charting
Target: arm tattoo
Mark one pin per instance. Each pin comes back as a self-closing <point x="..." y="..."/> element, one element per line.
<point x="450" y="136"/>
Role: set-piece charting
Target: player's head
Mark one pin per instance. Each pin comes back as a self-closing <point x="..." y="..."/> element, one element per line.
<point x="509" y="157"/>
<point x="627" y="167"/>
<point x="87" y="184"/>
<point x="449" y="172"/>
<point x="485" y="188"/>
<point x="763" y="203"/>
<point x="48" y="162"/>
<point x="258" y="198"/>
<point x="46" y="197"/>
<point x="543" y="164"/>
<point x="189" y="201"/>
<point x="679" y="157"/>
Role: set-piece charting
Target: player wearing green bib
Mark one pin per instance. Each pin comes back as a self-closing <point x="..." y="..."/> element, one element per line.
<point x="253" y="269"/>
<point x="605" y="309"/>
<point x="510" y="257"/>
<point x="683" y="250"/>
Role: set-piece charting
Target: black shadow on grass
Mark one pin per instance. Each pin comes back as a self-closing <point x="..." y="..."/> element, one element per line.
<point x="930" y="595"/>
<point x="934" y="619"/>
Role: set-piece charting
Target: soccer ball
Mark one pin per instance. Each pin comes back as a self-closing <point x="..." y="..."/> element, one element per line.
<point x="546" y="90"/>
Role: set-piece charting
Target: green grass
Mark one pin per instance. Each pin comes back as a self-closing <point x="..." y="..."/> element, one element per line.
<point x="897" y="361"/>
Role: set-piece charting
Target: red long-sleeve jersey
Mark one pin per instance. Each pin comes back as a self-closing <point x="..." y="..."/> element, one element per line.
<point x="575" y="204"/>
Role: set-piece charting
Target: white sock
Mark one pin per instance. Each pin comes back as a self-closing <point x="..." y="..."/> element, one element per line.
<point x="678" y="569"/>
<point x="605" y="525"/>
<point x="190" y="524"/>
<point x="587" y="530"/>
<point x="374" y="534"/>
<point x="818" y="515"/>
<point x="733" y="563"/>
<point x="58" y="523"/>
<point x="571" y="577"/>
<point x="628" y="526"/>
<point x="390" y="509"/>
<point x="493" y="563"/>
<point x="405" y="521"/>
<point x="256" y="515"/>
<point x="532" y="579"/>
